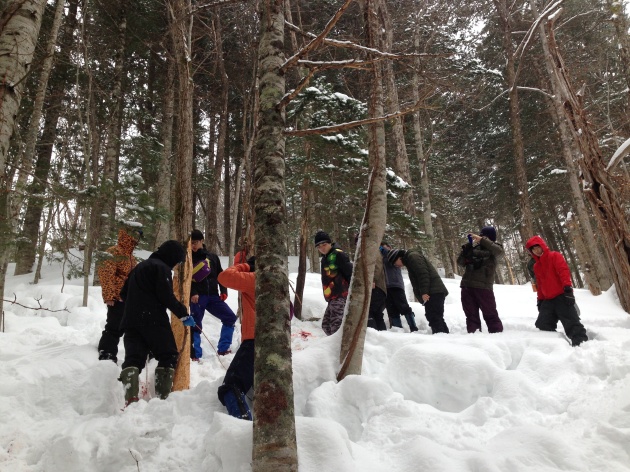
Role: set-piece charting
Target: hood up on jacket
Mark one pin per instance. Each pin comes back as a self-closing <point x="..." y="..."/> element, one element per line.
<point x="170" y="252"/>
<point x="536" y="241"/>
<point x="126" y="242"/>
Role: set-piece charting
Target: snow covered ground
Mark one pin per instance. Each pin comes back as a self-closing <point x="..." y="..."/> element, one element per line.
<point x="521" y="400"/>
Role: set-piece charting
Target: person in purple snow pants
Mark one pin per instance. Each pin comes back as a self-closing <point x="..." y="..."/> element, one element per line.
<point x="479" y="259"/>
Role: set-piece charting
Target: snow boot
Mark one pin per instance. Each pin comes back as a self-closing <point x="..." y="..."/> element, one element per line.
<point x="411" y="321"/>
<point x="130" y="378"/>
<point x="236" y="404"/>
<point x="163" y="381"/>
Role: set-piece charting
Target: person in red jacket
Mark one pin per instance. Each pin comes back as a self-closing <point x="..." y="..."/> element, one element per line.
<point x="555" y="293"/>
<point x="239" y="377"/>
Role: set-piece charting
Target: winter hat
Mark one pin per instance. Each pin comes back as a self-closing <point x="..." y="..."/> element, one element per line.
<point x="395" y="254"/>
<point x="251" y="262"/>
<point x="196" y="235"/>
<point x="171" y="253"/>
<point x="322" y="237"/>
<point x="489" y="232"/>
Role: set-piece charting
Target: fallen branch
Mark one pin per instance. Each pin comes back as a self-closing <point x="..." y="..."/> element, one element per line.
<point x="40" y="307"/>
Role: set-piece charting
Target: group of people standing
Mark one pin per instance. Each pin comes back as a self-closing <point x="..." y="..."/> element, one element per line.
<point x="478" y="257"/>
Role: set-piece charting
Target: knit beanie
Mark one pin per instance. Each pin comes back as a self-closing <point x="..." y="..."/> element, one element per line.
<point x="395" y="254"/>
<point x="196" y="235"/>
<point x="489" y="232"/>
<point x="322" y="237"/>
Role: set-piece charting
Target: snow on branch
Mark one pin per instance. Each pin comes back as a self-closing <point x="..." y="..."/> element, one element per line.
<point x="354" y="124"/>
<point x="620" y="153"/>
<point x="314" y="44"/>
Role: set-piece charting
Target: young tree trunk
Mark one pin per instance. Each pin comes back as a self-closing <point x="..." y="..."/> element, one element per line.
<point x="30" y="139"/>
<point x="212" y="238"/>
<point x="305" y="216"/>
<point x="181" y="286"/>
<point x="164" y="226"/>
<point x="20" y="21"/>
<point x="61" y="81"/>
<point x="275" y="446"/>
<point x="526" y="223"/>
<point x="374" y="218"/>
<point x="599" y="188"/>
<point x="619" y="19"/>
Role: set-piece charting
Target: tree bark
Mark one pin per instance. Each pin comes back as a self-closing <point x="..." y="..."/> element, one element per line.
<point x="598" y="186"/>
<point x="374" y="218"/>
<point x="181" y="286"/>
<point x="526" y="223"/>
<point x="275" y="447"/>
<point x="21" y="20"/>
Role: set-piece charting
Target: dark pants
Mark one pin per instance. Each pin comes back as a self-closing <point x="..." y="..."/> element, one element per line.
<point x="475" y="299"/>
<point x="550" y="311"/>
<point x="108" y="344"/>
<point x="434" y="312"/>
<point x="216" y="307"/>
<point x="397" y="305"/>
<point x="240" y="374"/>
<point x="158" y="340"/>
<point x="377" y="305"/>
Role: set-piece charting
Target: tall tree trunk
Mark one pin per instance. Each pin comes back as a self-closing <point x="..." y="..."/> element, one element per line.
<point x="212" y="238"/>
<point x="598" y="278"/>
<point x="275" y="447"/>
<point x="400" y="161"/>
<point x="526" y="223"/>
<point x="619" y="20"/>
<point x="164" y="231"/>
<point x="374" y="218"/>
<point x="28" y="154"/>
<point x="60" y="80"/>
<point x="300" y="282"/>
<point x="180" y="21"/>
<point x="20" y="22"/>
<point x="599" y="188"/>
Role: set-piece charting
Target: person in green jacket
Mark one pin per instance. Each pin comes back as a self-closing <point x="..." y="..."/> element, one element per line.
<point x="427" y="285"/>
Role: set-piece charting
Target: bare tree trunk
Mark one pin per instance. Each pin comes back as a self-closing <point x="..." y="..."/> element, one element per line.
<point x="526" y="223"/>
<point x="275" y="446"/>
<point x="599" y="188"/>
<point x="28" y="155"/>
<point x="598" y="278"/>
<point x="21" y="21"/>
<point x="400" y="161"/>
<point x="212" y="238"/>
<point x="304" y="236"/>
<point x="374" y="218"/>
<point x="163" y="231"/>
<point x="61" y="80"/>
<point x="42" y="244"/>
<point x="619" y="19"/>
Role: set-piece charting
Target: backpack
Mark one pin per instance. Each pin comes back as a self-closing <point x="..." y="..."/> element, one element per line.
<point x="201" y="270"/>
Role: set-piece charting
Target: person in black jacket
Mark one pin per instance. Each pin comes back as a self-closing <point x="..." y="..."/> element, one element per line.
<point x="148" y="293"/>
<point x="427" y="285"/>
<point x="479" y="258"/>
<point x="206" y="293"/>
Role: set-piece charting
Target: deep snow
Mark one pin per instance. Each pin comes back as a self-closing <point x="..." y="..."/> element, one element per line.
<point x="521" y="400"/>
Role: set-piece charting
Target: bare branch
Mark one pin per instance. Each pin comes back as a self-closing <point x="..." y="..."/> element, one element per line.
<point x="354" y="124"/>
<point x="525" y="89"/>
<point x="38" y="308"/>
<point x="314" y="44"/>
<point x="216" y="4"/>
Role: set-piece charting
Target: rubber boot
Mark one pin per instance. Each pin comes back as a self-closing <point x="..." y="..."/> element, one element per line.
<point x="130" y="378"/>
<point x="237" y="405"/>
<point x="163" y="381"/>
<point x="225" y="339"/>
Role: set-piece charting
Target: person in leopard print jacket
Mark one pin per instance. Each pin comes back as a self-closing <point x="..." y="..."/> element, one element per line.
<point x="112" y="274"/>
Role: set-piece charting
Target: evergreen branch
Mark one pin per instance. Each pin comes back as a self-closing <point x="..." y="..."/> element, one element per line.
<point x="314" y="44"/>
<point x="353" y="124"/>
<point x="40" y="307"/>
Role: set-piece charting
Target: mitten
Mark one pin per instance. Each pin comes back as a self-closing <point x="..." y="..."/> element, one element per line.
<point x="223" y="296"/>
<point x="251" y="262"/>
<point x="188" y="321"/>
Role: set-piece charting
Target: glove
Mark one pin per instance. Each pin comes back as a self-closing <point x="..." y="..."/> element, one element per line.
<point x="188" y="321"/>
<point x="470" y="239"/>
<point x="251" y="262"/>
<point x="568" y="295"/>
<point x="223" y="297"/>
